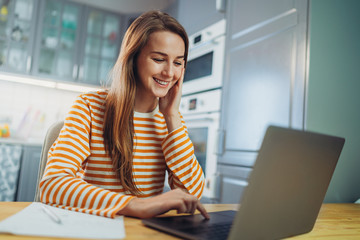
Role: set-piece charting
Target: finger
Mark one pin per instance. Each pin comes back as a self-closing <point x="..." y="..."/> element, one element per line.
<point x="203" y="211"/>
<point x="191" y="204"/>
<point x="193" y="207"/>
<point x="181" y="208"/>
<point x="181" y="80"/>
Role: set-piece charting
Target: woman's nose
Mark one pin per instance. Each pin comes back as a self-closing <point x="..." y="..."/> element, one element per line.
<point x="168" y="71"/>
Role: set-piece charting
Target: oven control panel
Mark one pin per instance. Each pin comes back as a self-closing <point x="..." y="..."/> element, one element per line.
<point x="207" y="34"/>
<point x="201" y="102"/>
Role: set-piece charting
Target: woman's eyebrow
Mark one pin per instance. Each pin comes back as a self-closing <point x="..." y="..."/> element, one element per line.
<point x="164" y="54"/>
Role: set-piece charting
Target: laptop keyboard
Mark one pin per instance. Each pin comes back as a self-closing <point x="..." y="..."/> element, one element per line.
<point x="216" y="231"/>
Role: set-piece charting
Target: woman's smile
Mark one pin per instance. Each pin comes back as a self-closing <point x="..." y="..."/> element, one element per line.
<point x="162" y="83"/>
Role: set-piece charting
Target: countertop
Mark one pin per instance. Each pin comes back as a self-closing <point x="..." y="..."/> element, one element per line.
<point x="26" y="142"/>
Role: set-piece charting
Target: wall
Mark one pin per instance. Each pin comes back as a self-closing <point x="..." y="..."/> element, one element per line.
<point x="333" y="105"/>
<point x="32" y="109"/>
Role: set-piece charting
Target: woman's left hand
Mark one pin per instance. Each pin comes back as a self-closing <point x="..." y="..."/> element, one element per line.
<point x="169" y="105"/>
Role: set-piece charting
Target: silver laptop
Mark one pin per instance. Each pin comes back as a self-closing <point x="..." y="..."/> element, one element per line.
<point x="286" y="190"/>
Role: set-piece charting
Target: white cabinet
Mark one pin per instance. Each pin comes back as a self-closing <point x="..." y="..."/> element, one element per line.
<point x="264" y="79"/>
<point x="233" y="181"/>
<point x="76" y="42"/>
<point x="17" y="28"/>
<point x="197" y="15"/>
<point x="59" y="40"/>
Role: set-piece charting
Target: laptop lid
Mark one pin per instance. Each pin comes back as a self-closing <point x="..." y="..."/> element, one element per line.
<point x="285" y="192"/>
<point x="288" y="184"/>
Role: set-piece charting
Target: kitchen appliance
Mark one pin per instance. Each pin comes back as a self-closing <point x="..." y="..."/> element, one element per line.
<point x="201" y="113"/>
<point x="205" y="64"/>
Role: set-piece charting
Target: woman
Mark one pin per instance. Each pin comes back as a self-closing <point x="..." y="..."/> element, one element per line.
<point x="115" y="146"/>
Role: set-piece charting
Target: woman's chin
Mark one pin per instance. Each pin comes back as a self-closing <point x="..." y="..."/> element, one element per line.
<point x="160" y="94"/>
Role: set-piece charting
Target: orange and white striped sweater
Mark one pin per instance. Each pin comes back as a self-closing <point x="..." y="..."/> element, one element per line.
<point x="79" y="174"/>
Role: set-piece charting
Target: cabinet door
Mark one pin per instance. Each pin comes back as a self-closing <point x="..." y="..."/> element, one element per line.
<point x="265" y="77"/>
<point x="10" y="156"/>
<point x="101" y="46"/>
<point x="28" y="173"/>
<point x="233" y="181"/>
<point x="57" y="45"/>
<point x="199" y="14"/>
<point x="17" y="27"/>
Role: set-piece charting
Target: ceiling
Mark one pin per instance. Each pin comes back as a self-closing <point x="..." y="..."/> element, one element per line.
<point x="128" y="6"/>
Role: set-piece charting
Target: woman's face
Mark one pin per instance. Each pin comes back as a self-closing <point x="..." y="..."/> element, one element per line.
<point x="160" y="64"/>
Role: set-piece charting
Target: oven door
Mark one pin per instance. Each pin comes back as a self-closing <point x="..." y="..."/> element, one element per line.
<point x="203" y="131"/>
<point x="205" y="66"/>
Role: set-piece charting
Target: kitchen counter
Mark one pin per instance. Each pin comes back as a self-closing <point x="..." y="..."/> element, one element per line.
<point x="26" y="142"/>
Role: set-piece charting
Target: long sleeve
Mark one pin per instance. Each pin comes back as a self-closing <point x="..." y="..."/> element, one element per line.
<point x="79" y="174"/>
<point x="63" y="183"/>
<point x="185" y="171"/>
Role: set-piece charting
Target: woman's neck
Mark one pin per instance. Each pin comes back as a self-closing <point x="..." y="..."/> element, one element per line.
<point x="145" y="104"/>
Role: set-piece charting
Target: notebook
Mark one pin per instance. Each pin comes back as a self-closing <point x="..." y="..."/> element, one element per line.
<point x="284" y="194"/>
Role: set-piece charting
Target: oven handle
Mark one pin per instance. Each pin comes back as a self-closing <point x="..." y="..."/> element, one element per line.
<point x="197" y="118"/>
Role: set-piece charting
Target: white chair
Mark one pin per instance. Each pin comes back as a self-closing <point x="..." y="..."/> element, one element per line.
<point x="51" y="136"/>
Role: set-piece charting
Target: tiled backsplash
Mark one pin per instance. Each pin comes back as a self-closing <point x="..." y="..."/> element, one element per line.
<point x="30" y="110"/>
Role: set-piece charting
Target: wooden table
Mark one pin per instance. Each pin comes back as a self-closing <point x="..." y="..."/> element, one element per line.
<point x="335" y="221"/>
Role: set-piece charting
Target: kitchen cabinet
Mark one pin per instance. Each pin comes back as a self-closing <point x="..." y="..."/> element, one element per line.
<point x="102" y="41"/>
<point x="264" y="81"/>
<point x="28" y="173"/>
<point x="17" y="28"/>
<point x="10" y="158"/>
<point x="197" y="15"/>
<point x="76" y="43"/>
<point x="233" y="181"/>
<point x="57" y="42"/>
<point x="265" y="78"/>
<point x="19" y="166"/>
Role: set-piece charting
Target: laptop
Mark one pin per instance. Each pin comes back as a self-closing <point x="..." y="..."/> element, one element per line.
<point x="285" y="191"/>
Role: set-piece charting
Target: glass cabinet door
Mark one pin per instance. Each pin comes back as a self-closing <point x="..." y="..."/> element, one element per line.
<point x="101" y="46"/>
<point x="16" y="34"/>
<point x="59" y="37"/>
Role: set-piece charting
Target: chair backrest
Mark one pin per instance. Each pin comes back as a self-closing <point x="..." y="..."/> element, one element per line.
<point x="51" y="135"/>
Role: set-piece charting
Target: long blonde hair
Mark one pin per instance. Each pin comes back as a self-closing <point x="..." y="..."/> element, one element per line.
<point x="119" y="107"/>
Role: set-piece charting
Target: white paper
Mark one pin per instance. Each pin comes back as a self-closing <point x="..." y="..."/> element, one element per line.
<point x="34" y="221"/>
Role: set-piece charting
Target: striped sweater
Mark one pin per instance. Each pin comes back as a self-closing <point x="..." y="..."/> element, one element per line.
<point x="79" y="174"/>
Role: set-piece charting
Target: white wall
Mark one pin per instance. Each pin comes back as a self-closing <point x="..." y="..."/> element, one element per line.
<point x="32" y="109"/>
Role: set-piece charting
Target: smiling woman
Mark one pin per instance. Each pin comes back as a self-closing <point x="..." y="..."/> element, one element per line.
<point x="162" y="67"/>
<point x="116" y="144"/>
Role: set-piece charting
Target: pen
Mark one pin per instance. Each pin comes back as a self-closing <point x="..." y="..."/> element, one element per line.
<point x="52" y="215"/>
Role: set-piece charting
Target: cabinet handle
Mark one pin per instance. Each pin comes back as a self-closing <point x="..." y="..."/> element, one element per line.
<point x="220" y="139"/>
<point x="221" y="6"/>
<point x="75" y="71"/>
<point x="81" y="72"/>
<point x="28" y="64"/>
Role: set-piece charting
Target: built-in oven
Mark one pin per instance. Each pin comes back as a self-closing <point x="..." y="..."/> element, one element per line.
<point x="201" y="113"/>
<point x="205" y="64"/>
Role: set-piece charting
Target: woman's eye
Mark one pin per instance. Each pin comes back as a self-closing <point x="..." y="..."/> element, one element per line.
<point x="158" y="59"/>
<point x="178" y="63"/>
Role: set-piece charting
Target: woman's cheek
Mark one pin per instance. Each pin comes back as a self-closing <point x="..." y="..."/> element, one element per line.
<point x="178" y="73"/>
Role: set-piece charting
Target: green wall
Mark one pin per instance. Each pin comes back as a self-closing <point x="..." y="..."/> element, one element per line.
<point x="333" y="100"/>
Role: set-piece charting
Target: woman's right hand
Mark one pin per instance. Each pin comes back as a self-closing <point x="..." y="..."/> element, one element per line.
<point x="173" y="200"/>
